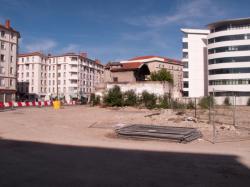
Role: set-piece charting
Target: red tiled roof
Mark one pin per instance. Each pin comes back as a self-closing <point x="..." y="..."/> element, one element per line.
<point x="164" y="58"/>
<point x="10" y="29"/>
<point x="31" y="54"/>
<point x="128" y="66"/>
<point x="142" y="57"/>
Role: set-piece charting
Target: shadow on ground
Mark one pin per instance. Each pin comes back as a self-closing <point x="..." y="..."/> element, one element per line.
<point x="39" y="164"/>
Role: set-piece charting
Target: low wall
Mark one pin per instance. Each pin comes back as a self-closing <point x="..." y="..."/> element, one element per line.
<point x="155" y="87"/>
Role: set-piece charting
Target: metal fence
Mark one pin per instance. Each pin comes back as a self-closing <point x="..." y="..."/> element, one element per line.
<point x="228" y="120"/>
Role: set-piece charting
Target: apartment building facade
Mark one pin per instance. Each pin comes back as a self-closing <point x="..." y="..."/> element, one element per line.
<point x="194" y="58"/>
<point x="8" y="58"/>
<point x="229" y="59"/>
<point x="69" y="76"/>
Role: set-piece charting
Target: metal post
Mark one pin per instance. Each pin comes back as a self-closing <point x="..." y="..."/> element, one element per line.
<point x="56" y="79"/>
<point x="209" y="110"/>
<point x="234" y="113"/>
<point x="195" y="108"/>
<point x="214" y="130"/>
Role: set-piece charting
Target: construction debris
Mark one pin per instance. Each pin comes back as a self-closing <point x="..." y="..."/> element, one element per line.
<point x="153" y="114"/>
<point x="191" y="119"/>
<point x="178" y="134"/>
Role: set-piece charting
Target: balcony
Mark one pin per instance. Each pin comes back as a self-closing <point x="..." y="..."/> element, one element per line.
<point x="73" y="77"/>
<point x="73" y="70"/>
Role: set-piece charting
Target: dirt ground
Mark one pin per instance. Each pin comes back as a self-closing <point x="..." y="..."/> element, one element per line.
<point x="76" y="146"/>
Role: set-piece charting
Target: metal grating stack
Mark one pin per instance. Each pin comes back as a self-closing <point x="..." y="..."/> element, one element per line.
<point x="178" y="134"/>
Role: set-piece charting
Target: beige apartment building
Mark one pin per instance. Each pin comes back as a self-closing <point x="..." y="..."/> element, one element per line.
<point x="8" y="58"/>
<point x="69" y="76"/>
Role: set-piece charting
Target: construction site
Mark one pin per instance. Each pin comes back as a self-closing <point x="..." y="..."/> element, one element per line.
<point x="89" y="146"/>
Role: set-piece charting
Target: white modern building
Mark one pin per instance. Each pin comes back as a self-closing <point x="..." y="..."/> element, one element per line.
<point x="8" y="58"/>
<point x="68" y="76"/>
<point x="194" y="58"/>
<point x="229" y="59"/>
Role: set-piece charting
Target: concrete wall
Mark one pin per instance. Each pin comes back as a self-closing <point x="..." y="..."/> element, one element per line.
<point x="155" y="87"/>
<point x="124" y="76"/>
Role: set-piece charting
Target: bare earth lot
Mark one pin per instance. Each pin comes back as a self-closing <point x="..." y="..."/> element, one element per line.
<point x="76" y="146"/>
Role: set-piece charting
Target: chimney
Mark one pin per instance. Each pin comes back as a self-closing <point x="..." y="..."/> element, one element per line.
<point x="83" y="54"/>
<point x="97" y="61"/>
<point x="7" y="23"/>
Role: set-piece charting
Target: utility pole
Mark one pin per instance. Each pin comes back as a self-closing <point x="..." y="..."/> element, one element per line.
<point x="214" y="130"/>
<point x="56" y="78"/>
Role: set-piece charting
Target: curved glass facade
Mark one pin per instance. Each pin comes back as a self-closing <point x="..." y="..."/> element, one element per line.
<point x="229" y="71"/>
<point x="229" y="82"/>
<point x="229" y="49"/>
<point x="230" y="27"/>
<point x="229" y="60"/>
<point x="229" y="38"/>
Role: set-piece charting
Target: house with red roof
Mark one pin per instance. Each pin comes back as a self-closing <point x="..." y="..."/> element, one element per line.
<point x="134" y="74"/>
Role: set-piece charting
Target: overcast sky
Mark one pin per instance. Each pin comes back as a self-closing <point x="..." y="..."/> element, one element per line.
<point x="113" y="29"/>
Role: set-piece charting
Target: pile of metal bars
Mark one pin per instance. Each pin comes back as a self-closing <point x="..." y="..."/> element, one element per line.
<point x="177" y="134"/>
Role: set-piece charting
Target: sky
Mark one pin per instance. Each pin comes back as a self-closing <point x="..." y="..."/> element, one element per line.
<point x="112" y="30"/>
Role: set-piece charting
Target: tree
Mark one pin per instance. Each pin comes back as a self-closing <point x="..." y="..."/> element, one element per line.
<point x="114" y="97"/>
<point x="161" y="75"/>
<point x="130" y="98"/>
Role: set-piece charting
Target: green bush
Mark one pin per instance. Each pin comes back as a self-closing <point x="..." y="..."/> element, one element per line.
<point x="227" y="101"/>
<point x="149" y="100"/>
<point x="95" y="100"/>
<point x="177" y="105"/>
<point x="114" y="97"/>
<point x="248" y="102"/>
<point x="190" y="105"/>
<point x="164" y="102"/>
<point x="161" y="75"/>
<point x="130" y="98"/>
<point x="206" y="102"/>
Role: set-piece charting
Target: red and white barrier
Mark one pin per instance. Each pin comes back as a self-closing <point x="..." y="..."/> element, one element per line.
<point x="31" y="104"/>
<point x="25" y="104"/>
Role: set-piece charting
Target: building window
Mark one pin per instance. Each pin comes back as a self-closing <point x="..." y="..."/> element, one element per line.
<point x="2" y="34"/>
<point x="184" y="45"/>
<point x="11" y="70"/>
<point x="11" y="58"/>
<point x="185" y="84"/>
<point x="115" y="79"/>
<point x="2" y="46"/>
<point x="27" y="74"/>
<point x="2" y="58"/>
<point x="185" y="54"/>
<point x="185" y="74"/>
<point x="11" y="82"/>
<point x="185" y="64"/>
<point x="1" y="81"/>
<point x="185" y="94"/>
